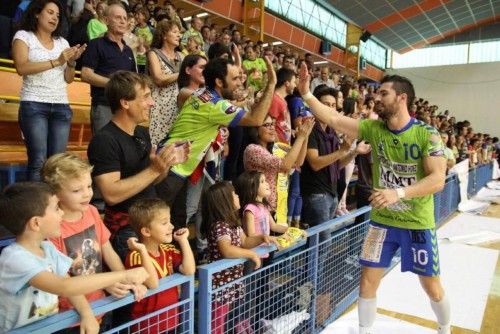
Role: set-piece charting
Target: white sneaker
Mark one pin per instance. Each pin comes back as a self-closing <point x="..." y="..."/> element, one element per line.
<point x="444" y="329"/>
<point x="365" y="330"/>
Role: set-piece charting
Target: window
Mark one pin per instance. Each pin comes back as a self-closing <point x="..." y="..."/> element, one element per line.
<point x="373" y="53"/>
<point x="312" y="17"/>
<point x="432" y="56"/>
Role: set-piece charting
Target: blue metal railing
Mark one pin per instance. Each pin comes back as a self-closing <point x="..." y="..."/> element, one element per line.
<point x="306" y="286"/>
<point x="108" y="304"/>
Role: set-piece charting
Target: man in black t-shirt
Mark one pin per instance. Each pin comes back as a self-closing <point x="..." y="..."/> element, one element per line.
<point x="324" y="159"/>
<point x="126" y="167"/>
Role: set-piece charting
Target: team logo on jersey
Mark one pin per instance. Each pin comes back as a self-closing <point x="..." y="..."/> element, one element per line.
<point x="227" y="107"/>
<point x="195" y="104"/>
<point x="395" y="141"/>
<point x="204" y="95"/>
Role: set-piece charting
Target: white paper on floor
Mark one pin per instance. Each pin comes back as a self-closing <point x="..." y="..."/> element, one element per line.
<point x="348" y="324"/>
<point x="467" y="224"/>
<point x="482" y="237"/>
<point x="493" y="185"/>
<point x="487" y="194"/>
<point x="473" y="206"/>
<point x="466" y="274"/>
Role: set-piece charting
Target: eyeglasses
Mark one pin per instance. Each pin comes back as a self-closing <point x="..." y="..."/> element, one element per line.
<point x="269" y="125"/>
<point x="142" y="146"/>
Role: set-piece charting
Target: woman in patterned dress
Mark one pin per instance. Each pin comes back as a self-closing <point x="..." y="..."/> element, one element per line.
<point x="163" y="67"/>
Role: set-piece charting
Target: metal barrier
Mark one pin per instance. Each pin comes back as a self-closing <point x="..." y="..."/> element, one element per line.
<point x="180" y="313"/>
<point x="303" y="288"/>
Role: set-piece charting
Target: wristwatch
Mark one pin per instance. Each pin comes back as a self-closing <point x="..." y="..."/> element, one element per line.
<point x="400" y="192"/>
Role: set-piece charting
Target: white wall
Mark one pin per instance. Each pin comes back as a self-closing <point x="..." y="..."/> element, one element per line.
<point x="470" y="92"/>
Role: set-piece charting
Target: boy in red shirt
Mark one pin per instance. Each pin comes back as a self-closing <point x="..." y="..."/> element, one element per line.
<point x="150" y="219"/>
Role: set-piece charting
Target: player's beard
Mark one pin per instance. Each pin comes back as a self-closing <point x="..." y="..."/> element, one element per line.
<point x="384" y="112"/>
<point x="227" y="93"/>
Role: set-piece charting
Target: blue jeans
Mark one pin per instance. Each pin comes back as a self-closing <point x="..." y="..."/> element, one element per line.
<point x="294" y="198"/>
<point x="45" y="128"/>
<point x="317" y="209"/>
<point x="100" y="115"/>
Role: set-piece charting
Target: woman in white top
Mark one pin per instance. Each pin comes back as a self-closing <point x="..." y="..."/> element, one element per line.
<point x="47" y="65"/>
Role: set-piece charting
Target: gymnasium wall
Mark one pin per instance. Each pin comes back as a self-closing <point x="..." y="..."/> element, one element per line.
<point x="469" y="91"/>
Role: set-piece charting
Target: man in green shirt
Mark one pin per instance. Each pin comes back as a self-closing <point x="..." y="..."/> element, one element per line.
<point x="408" y="167"/>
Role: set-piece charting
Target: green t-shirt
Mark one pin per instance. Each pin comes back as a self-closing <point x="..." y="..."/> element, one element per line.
<point x="255" y="80"/>
<point x="146" y="34"/>
<point x="199" y="120"/>
<point x="398" y="162"/>
<point x="95" y="28"/>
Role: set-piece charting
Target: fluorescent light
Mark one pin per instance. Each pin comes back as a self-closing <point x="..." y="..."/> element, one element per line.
<point x="265" y="45"/>
<point x="320" y="62"/>
<point x="277" y="43"/>
<point x="189" y="18"/>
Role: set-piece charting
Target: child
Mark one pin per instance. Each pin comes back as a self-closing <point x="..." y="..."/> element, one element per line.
<point x="226" y="239"/>
<point x="83" y="238"/>
<point x="32" y="272"/>
<point x="150" y="219"/>
<point x="253" y="190"/>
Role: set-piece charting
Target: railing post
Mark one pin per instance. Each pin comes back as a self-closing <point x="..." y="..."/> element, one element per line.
<point x="187" y="292"/>
<point x="313" y="244"/>
<point x="204" y="301"/>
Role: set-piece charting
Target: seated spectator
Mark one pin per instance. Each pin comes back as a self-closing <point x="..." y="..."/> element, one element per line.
<point x="126" y="166"/>
<point x="154" y="251"/>
<point x="32" y="272"/>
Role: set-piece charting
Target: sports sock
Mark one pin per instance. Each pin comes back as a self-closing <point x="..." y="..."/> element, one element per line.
<point x="442" y="311"/>
<point x="367" y="309"/>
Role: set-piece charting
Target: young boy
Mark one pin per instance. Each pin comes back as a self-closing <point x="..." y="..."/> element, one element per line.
<point x="150" y="219"/>
<point x="83" y="238"/>
<point x="32" y="272"/>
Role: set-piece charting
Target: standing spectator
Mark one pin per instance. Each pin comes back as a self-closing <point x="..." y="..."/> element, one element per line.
<point x="262" y="155"/>
<point x="190" y="77"/>
<point x="255" y="68"/>
<point x="163" y="67"/>
<point x="145" y="35"/>
<point x="199" y="121"/>
<point x="104" y="56"/>
<point x="97" y="25"/>
<point x="125" y="164"/>
<point x="47" y="65"/>
<point x="194" y="31"/>
<point x="323" y="79"/>
<point x="285" y="84"/>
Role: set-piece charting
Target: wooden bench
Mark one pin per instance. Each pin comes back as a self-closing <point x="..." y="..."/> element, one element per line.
<point x="13" y="157"/>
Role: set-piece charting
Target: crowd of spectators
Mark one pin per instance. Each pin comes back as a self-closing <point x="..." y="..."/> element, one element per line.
<point x="217" y="105"/>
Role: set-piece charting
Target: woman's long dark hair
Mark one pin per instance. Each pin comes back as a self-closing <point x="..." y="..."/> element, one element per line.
<point x="247" y="187"/>
<point x="29" y="21"/>
<point x="218" y="206"/>
<point x="188" y="62"/>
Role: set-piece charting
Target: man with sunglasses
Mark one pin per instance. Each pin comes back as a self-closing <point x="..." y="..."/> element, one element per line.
<point x="126" y="166"/>
<point x="408" y="168"/>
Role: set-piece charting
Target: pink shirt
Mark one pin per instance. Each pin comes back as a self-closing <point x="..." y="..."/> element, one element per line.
<point x="259" y="159"/>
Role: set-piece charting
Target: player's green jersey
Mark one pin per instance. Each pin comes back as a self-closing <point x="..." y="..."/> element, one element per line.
<point x="199" y="120"/>
<point x="398" y="162"/>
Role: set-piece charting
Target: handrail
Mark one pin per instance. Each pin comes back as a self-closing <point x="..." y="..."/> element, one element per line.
<point x="101" y="306"/>
<point x="18" y="99"/>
